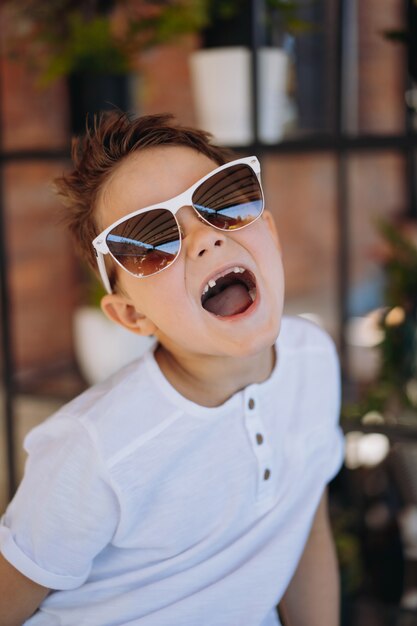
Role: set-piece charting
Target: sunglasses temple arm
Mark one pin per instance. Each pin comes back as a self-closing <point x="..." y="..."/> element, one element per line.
<point x="103" y="272"/>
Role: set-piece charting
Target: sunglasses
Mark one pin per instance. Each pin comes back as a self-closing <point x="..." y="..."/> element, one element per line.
<point x="148" y="240"/>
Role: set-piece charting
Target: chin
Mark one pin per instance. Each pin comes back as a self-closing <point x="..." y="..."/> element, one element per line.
<point x="257" y="342"/>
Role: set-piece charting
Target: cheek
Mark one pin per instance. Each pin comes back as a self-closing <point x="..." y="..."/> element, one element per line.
<point x="262" y="245"/>
<point x="159" y="297"/>
<point x="269" y="260"/>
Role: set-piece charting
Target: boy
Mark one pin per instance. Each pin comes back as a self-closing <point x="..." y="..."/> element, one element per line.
<point x="189" y="488"/>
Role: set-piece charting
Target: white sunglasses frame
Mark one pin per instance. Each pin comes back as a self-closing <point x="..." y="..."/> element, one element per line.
<point x="173" y="205"/>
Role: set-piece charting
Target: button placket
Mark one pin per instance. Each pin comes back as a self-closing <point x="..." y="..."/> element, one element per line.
<point x="259" y="443"/>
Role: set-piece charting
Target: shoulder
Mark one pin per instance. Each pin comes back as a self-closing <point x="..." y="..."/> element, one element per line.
<point x="308" y="355"/>
<point x="310" y="379"/>
<point x="311" y="384"/>
<point x="301" y="335"/>
<point x="108" y="416"/>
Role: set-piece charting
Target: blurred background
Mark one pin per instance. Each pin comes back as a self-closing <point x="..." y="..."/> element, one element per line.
<point x="324" y="92"/>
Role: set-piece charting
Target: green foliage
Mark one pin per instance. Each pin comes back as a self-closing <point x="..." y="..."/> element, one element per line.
<point x="279" y="13"/>
<point x="96" y="36"/>
<point x="394" y="393"/>
<point x="176" y="18"/>
<point x="401" y="267"/>
<point x="289" y="14"/>
<point x="69" y="36"/>
<point x="94" y="291"/>
<point x="399" y="346"/>
<point x="89" y="46"/>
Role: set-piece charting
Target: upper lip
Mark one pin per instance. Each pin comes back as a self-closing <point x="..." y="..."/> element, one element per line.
<point x="222" y="272"/>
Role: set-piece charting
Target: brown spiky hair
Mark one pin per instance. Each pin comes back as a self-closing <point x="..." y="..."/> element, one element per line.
<point x="112" y="137"/>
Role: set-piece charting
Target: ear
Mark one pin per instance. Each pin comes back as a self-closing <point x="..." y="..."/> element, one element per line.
<point x="119" y="309"/>
<point x="272" y="227"/>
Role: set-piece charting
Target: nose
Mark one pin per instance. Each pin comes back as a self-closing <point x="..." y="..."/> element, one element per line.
<point x="199" y="238"/>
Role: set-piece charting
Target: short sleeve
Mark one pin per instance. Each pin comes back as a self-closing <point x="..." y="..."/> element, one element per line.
<point x="64" y="511"/>
<point x="327" y="446"/>
<point x="324" y="437"/>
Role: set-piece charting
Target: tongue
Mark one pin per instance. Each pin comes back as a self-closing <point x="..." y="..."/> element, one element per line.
<point x="231" y="301"/>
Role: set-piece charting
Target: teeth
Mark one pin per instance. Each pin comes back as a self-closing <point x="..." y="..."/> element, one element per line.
<point x="211" y="283"/>
<point x="252" y="294"/>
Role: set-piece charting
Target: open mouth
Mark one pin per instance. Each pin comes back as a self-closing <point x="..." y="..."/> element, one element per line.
<point x="230" y="294"/>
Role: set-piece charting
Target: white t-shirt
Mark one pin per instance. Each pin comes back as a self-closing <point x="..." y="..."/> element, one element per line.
<point x="139" y="506"/>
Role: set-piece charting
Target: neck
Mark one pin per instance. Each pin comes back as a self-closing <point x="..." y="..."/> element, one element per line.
<point x="210" y="381"/>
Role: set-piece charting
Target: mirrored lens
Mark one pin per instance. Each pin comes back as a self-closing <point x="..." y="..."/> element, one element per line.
<point x="146" y="243"/>
<point x="230" y="199"/>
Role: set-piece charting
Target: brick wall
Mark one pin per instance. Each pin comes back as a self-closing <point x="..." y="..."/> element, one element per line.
<point x="42" y="274"/>
<point x="381" y="67"/>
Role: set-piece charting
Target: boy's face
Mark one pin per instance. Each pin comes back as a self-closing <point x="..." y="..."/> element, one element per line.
<point x="169" y="304"/>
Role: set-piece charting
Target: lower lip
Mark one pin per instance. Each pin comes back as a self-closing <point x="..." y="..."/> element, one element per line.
<point x="239" y="316"/>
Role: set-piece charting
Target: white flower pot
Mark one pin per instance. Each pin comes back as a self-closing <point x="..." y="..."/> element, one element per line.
<point x="221" y="83"/>
<point x="102" y="347"/>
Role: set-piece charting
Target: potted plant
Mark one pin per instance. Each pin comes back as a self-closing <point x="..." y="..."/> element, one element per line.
<point x="95" y="44"/>
<point x="395" y="391"/>
<point x="221" y="70"/>
<point x="392" y="396"/>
